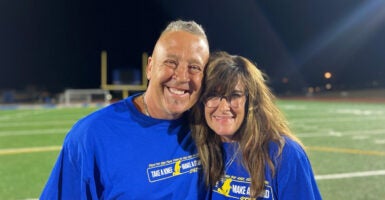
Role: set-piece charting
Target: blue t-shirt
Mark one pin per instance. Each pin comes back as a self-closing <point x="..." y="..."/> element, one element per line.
<point x="119" y="153"/>
<point x="294" y="177"/>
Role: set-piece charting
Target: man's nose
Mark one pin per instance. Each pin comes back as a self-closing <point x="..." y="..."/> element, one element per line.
<point x="181" y="73"/>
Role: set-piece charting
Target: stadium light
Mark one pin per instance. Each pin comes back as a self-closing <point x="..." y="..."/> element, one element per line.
<point x="328" y="75"/>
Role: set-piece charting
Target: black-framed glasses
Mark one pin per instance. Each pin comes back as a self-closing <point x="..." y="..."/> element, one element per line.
<point x="235" y="100"/>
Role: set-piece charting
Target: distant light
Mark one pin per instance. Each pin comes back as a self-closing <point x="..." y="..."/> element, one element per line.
<point x="328" y="75"/>
<point x="310" y="90"/>
<point x="108" y="97"/>
<point x="285" y="80"/>
<point x="375" y="83"/>
<point x="328" y="86"/>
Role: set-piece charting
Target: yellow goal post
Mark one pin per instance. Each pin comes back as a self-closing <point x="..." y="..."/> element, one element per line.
<point x="125" y="88"/>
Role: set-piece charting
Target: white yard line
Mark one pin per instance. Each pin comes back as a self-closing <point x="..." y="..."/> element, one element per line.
<point x="340" y="134"/>
<point x="14" y="116"/>
<point x="34" y="132"/>
<point x="36" y="123"/>
<point x="350" y="175"/>
<point x="317" y="177"/>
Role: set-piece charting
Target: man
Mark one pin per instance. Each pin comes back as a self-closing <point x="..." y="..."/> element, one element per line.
<point x="140" y="147"/>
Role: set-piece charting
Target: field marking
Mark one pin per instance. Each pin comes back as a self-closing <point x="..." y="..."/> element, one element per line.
<point x="359" y="112"/>
<point x="29" y="150"/>
<point x="350" y="175"/>
<point x="34" y="132"/>
<point x="317" y="177"/>
<point x="347" y="151"/>
<point x="36" y="123"/>
<point x="19" y="115"/>
<point x="330" y="119"/>
<point x="332" y="133"/>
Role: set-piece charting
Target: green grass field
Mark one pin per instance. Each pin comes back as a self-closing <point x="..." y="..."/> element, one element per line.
<point x="345" y="142"/>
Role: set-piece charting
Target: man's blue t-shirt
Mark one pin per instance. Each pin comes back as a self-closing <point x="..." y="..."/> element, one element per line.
<point x="119" y="153"/>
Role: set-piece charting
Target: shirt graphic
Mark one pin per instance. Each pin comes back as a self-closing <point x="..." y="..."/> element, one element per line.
<point x="239" y="188"/>
<point x="171" y="168"/>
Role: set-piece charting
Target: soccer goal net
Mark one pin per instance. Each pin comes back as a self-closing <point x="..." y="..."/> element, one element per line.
<point x="72" y="97"/>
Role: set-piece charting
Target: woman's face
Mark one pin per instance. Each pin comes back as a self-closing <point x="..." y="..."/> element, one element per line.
<point x="225" y="114"/>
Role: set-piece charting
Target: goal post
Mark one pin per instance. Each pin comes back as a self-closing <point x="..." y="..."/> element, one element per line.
<point x="125" y="88"/>
<point x="72" y="97"/>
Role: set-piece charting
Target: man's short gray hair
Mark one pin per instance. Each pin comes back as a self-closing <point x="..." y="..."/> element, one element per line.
<point x="188" y="26"/>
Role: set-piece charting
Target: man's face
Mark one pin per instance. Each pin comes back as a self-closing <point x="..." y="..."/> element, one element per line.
<point x="175" y="71"/>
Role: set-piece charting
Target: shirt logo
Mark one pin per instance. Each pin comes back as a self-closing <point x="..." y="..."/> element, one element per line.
<point x="171" y="168"/>
<point x="239" y="188"/>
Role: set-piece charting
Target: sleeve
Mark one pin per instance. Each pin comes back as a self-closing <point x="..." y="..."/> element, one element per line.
<point x="295" y="178"/>
<point x="69" y="178"/>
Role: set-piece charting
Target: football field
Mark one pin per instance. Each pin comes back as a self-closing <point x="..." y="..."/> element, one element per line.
<point x="345" y="142"/>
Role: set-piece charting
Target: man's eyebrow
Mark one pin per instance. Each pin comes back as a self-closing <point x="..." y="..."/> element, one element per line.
<point x="171" y="56"/>
<point x="190" y="60"/>
<point x="195" y="61"/>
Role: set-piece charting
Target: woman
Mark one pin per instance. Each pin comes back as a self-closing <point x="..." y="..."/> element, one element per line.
<point x="245" y="146"/>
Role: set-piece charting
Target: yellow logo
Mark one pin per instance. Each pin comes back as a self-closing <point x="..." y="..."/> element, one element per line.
<point x="176" y="168"/>
<point x="225" y="189"/>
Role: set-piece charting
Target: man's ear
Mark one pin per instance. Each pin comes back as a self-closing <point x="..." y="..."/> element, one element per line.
<point x="149" y="68"/>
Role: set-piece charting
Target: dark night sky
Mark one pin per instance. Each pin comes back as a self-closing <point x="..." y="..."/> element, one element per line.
<point x="56" y="44"/>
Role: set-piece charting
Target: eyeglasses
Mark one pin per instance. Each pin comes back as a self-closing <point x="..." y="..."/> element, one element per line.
<point x="236" y="100"/>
